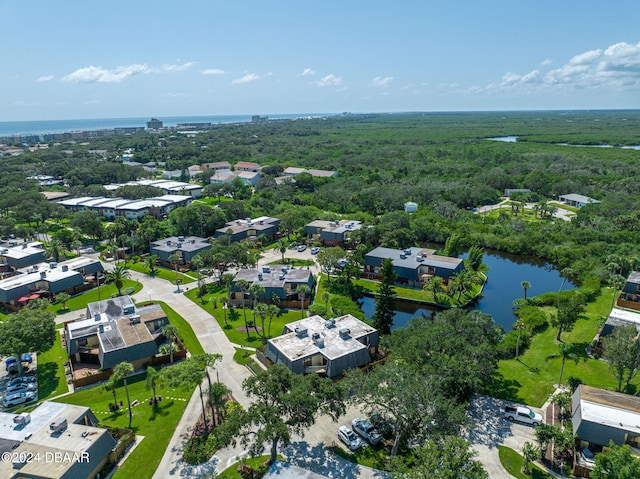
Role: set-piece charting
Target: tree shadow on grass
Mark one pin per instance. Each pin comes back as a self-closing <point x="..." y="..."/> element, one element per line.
<point x="161" y="409"/>
<point x="504" y="388"/>
<point x="48" y="378"/>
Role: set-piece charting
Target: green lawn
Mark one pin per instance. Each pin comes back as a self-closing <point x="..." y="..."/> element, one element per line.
<point x="51" y="377"/>
<point x="157" y="424"/>
<point x="257" y="463"/>
<point x="163" y="273"/>
<point x="370" y="456"/>
<point x="422" y="295"/>
<point x="186" y="334"/>
<point x="253" y="337"/>
<point x="530" y="379"/>
<point x="80" y="301"/>
<point x="512" y="462"/>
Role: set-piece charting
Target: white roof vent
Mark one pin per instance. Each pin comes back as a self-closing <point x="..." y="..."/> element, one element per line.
<point x="345" y="333"/>
<point x="330" y="323"/>
<point x="318" y="340"/>
<point x="301" y="331"/>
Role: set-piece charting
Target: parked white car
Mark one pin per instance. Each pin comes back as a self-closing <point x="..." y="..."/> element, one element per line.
<point x="365" y="429"/>
<point x="16" y="399"/>
<point x="522" y="414"/>
<point x="350" y="438"/>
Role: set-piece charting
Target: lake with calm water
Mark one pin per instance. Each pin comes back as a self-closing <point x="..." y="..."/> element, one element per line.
<point x="505" y="274"/>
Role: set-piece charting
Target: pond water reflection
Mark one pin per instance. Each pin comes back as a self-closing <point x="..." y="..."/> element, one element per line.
<point x="506" y="273"/>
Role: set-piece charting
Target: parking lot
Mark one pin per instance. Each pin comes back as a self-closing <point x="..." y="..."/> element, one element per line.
<point x="6" y="377"/>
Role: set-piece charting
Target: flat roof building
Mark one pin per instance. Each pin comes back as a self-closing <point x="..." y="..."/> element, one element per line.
<point x="412" y="265"/>
<point x="64" y="437"/>
<point x="250" y="229"/>
<point x="577" y="201"/>
<point x="332" y="233"/>
<point x="116" y="330"/>
<point x="277" y="280"/>
<point x="185" y="247"/>
<point x="329" y="347"/>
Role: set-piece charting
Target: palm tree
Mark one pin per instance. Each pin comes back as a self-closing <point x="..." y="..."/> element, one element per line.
<point x="565" y="273"/>
<point x="262" y="310"/>
<point x="225" y="302"/>
<point x="617" y="282"/>
<point x="110" y="385"/>
<point x="123" y="370"/>
<point x="153" y="381"/>
<point x="282" y="247"/>
<point x="55" y="249"/>
<point x="566" y="351"/>
<point x="303" y="289"/>
<point x="197" y="264"/>
<point x="434" y="284"/>
<point x="174" y="259"/>
<point x="518" y="326"/>
<point x="170" y="331"/>
<point x="118" y="274"/>
<point x="244" y="286"/>
<point x="151" y="263"/>
<point x="227" y="279"/>
<point x="217" y="393"/>
<point x="326" y="296"/>
<point x="525" y="286"/>
<point x="273" y="310"/>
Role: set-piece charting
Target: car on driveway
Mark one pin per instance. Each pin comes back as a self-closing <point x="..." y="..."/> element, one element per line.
<point x="350" y="438"/>
<point x="315" y="250"/>
<point x="16" y="399"/>
<point x="16" y="388"/>
<point x="366" y="430"/>
<point x="522" y="414"/>
<point x="301" y="248"/>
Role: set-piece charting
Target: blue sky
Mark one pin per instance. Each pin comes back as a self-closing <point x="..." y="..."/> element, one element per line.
<point x="64" y="59"/>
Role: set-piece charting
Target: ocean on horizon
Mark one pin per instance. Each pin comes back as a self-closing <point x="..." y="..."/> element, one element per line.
<point x="40" y="127"/>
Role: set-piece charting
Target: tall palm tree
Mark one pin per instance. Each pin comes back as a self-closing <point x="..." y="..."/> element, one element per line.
<point x="118" y="274"/>
<point x="244" y="287"/>
<point x="225" y="302"/>
<point x="303" y="290"/>
<point x="170" y="331"/>
<point x="282" y="247"/>
<point x="153" y="381"/>
<point x="518" y="326"/>
<point x="273" y="310"/>
<point x="151" y="263"/>
<point x="617" y="282"/>
<point x="565" y="273"/>
<point x="566" y="351"/>
<point x="197" y="263"/>
<point x="227" y="279"/>
<point x="525" y="286"/>
<point x="262" y="310"/>
<point x="217" y="393"/>
<point x="326" y="296"/>
<point x="174" y="259"/>
<point x="55" y="249"/>
<point x="255" y="290"/>
<point x="123" y="370"/>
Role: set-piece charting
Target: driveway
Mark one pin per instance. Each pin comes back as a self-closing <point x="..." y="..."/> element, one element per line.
<point x="491" y="430"/>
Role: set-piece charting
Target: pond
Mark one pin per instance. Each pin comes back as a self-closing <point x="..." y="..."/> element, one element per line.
<point x="506" y="273"/>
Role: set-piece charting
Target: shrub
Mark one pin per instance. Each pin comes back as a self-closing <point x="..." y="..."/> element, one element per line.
<point x="318" y="309"/>
<point x="590" y="287"/>
<point x="507" y="347"/>
<point x="533" y="318"/>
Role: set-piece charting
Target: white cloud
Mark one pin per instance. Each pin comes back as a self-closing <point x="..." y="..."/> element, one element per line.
<point x="546" y="62"/>
<point x="212" y="71"/>
<point x="178" y="67"/>
<point x="329" y="80"/>
<point x="93" y="74"/>
<point x="307" y="72"/>
<point x="616" y="67"/>
<point x="45" y="78"/>
<point x="381" y="82"/>
<point x="249" y="77"/>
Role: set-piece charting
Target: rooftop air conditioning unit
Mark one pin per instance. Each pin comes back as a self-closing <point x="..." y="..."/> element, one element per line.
<point x="345" y="333"/>
<point x="318" y="340"/>
<point x="65" y="267"/>
<point x="330" y="323"/>
<point x="134" y="319"/>
<point x="407" y="252"/>
<point x="97" y="316"/>
<point x="403" y="256"/>
<point x="43" y="274"/>
<point x="420" y="259"/>
<point x="128" y="309"/>
<point x="53" y="265"/>
<point x="281" y="277"/>
<point x="301" y="331"/>
<point x="59" y="425"/>
<point x="4" y="251"/>
<point x="181" y="238"/>
<point x="266" y="269"/>
<point x="259" y="276"/>
<point x="22" y="419"/>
